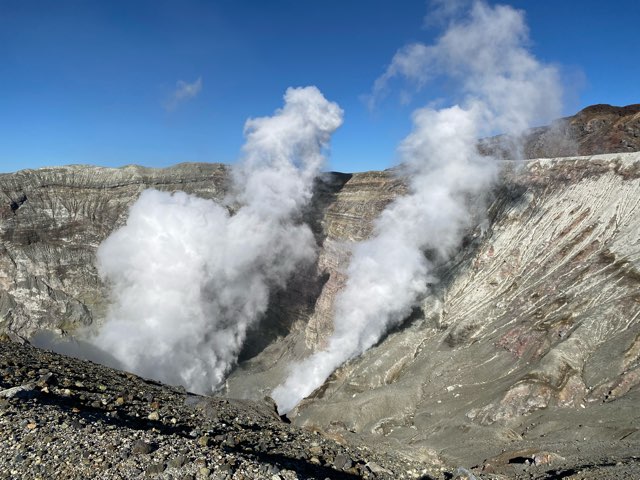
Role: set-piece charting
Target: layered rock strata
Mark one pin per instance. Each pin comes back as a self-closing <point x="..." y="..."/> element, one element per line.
<point x="532" y="335"/>
<point x="51" y="223"/>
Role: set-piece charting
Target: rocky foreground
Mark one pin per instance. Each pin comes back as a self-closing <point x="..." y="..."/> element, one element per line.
<point x="61" y="417"/>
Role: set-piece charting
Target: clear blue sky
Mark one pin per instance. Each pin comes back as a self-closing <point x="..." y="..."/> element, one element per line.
<point x="90" y="81"/>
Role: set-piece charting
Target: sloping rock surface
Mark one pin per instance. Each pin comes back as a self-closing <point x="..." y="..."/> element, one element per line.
<point x="532" y="338"/>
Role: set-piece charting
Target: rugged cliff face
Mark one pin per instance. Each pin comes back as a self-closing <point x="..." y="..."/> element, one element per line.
<point x="532" y="336"/>
<point x="51" y="223"/>
<point x="596" y="129"/>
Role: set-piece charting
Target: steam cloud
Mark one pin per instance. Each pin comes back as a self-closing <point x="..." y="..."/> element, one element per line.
<point x="503" y="88"/>
<point x="188" y="278"/>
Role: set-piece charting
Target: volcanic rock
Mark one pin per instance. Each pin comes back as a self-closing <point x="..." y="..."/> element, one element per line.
<point x="536" y="342"/>
<point x="530" y="342"/>
<point x="51" y="224"/>
<point x="51" y="435"/>
<point x="593" y="130"/>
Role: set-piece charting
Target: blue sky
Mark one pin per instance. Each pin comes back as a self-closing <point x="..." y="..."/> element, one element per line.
<point x="90" y="81"/>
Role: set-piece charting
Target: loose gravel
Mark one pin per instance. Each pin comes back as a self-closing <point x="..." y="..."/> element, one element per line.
<point x="61" y="417"/>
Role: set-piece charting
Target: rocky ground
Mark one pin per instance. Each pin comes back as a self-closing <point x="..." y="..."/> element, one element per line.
<point x="61" y="417"/>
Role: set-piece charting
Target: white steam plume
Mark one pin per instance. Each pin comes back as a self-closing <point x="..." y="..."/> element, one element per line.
<point x="188" y="278"/>
<point x="503" y="88"/>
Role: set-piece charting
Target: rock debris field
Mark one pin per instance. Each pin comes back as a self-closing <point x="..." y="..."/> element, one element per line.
<point x="61" y="417"/>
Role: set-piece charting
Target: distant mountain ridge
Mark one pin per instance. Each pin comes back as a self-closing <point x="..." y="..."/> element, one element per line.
<point x="595" y="129"/>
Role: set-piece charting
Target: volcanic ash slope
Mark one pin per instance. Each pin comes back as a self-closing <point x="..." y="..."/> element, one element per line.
<point x="531" y="338"/>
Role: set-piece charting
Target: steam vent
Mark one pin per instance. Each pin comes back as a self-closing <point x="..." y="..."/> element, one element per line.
<point x="522" y="360"/>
